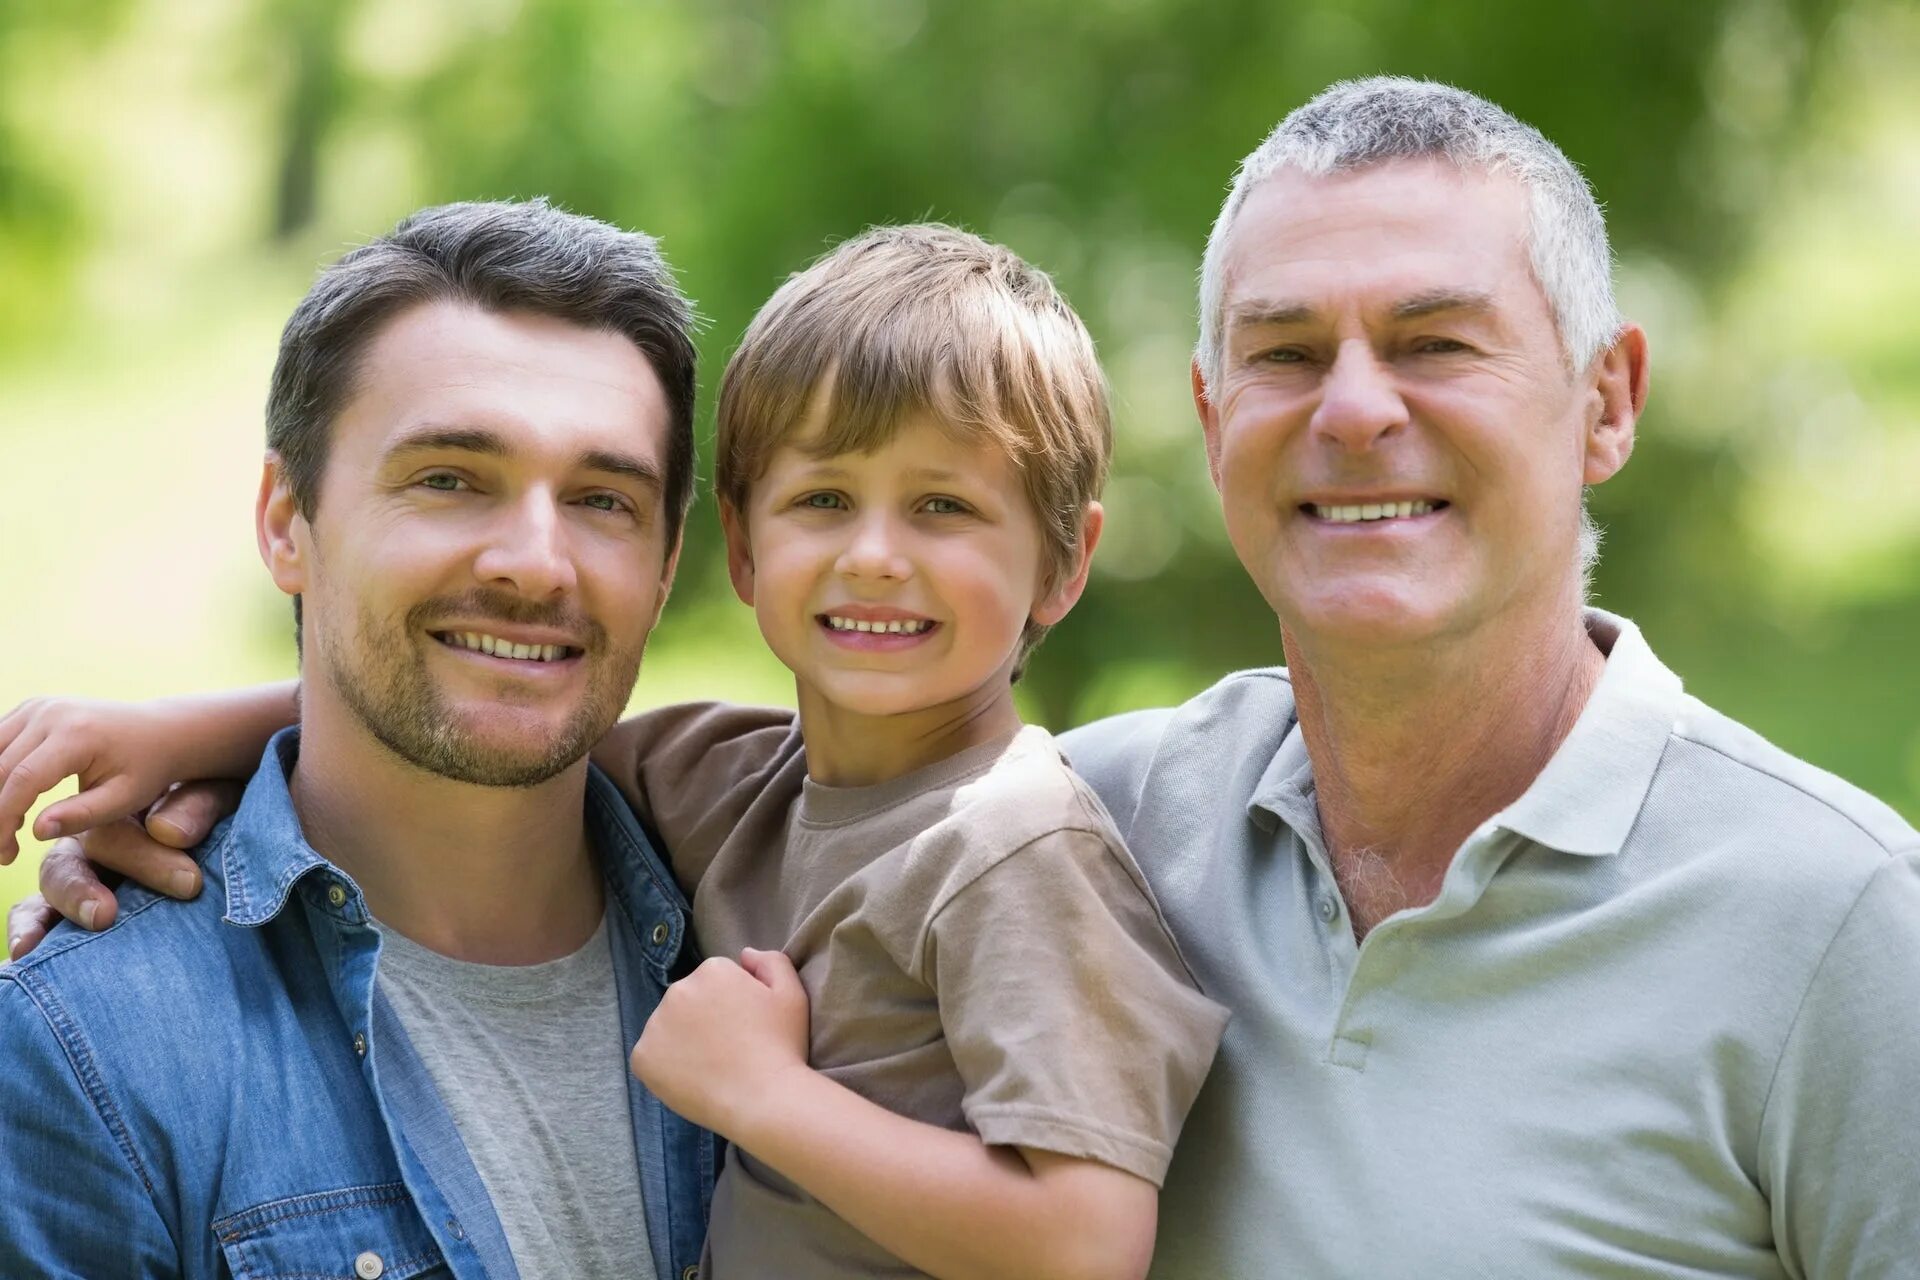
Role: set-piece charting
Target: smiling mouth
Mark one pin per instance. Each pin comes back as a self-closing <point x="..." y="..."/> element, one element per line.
<point x="891" y="627"/>
<point x="494" y="647"/>
<point x="1364" y="513"/>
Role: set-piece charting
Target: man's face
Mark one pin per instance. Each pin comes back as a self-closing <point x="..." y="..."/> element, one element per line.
<point x="488" y="552"/>
<point x="1399" y="446"/>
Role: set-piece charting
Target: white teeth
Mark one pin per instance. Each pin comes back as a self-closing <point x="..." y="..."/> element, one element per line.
<point x="1370" y="511"/>
<point x="498" y="648"/>
<point x="892" y="627"/>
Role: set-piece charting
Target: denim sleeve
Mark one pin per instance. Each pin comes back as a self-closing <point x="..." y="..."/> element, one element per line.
<point x="74" y="1204"/>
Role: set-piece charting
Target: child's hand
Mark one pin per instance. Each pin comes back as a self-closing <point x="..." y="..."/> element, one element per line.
<point x="116" y="749"/>
<point x="723" y="1037"/>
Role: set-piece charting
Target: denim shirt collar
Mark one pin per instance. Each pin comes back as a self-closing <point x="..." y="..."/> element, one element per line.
<point x="265" y="856"/>
<point x="1587" y="798"/>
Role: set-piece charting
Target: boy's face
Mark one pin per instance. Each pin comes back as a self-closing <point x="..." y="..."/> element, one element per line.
<point x="900" y="580"/>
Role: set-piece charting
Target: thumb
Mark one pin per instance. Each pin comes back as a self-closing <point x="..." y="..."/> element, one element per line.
<point x="772" y="968"/>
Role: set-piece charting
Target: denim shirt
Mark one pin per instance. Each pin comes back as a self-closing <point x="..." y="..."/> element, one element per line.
<point x="216" y="1087"/>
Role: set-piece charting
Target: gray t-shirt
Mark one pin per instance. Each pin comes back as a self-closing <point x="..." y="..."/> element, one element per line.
<point x="530" y="1063"/>
<point x="1661" y="1020"/>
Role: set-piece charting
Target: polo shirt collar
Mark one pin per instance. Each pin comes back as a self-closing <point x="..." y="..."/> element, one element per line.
<point x="1587" y="798"/>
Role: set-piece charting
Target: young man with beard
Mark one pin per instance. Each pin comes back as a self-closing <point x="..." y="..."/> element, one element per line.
<point x="391" y="1037"/>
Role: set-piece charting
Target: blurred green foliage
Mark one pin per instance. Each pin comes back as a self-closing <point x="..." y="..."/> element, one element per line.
<point x="172" y="170"/>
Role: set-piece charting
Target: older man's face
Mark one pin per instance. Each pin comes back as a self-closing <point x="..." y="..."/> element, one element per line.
<point x="1399" y="445"/>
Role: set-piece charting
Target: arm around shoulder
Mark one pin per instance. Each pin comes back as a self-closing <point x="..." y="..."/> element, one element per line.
<point x="75" y="1205"/>
<point x="1840" y="1161"/>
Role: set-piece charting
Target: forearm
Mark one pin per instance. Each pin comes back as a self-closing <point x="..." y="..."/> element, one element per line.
<point x="221" y="735"/>
<point x="944" y="1201"/>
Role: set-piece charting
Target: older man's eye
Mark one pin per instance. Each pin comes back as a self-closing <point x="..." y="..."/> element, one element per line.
<point x="1439" y="346"/>
<point x="1284" y="355"/>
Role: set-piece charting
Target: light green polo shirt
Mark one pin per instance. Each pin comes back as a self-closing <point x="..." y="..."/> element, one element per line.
<point x="1663" y="1018"/>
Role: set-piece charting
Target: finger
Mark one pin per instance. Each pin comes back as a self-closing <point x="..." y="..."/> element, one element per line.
<point x="28" y="923"/>
<point x="20" y="786"/>
<point x="188" y="814"/>
<point x="126" y="848"/>
<point x="72" y="887"/>
<point x="13" y="723"/>
<point x="116" y="798"/>
<point x="772" y="968"/>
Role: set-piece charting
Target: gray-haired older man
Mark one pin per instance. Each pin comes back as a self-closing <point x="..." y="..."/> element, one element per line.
<point x="1539" y="967"/>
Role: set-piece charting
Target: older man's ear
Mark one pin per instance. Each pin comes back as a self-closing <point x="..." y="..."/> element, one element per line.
<point x="1620" y="393"/>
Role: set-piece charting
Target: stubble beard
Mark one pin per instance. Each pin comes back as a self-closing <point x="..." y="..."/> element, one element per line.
<point x="385" y="683"/>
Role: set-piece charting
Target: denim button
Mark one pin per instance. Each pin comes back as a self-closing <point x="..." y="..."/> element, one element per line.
<point x="360" y="1043"/>
<point x="660" y="932"/>
<point x="336" y="896"/>
<point x="691" y="1273"/>
<point x="368" y="1266"/>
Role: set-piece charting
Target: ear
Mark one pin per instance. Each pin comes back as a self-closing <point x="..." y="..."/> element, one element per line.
<point x="739" y="551"/>
<point x="1209" y="422"/>
<point x="284" y="535"/>
<point x="667" y="571"/>
<point x="1061" y="596"/>
<point x="1621" y="393"/>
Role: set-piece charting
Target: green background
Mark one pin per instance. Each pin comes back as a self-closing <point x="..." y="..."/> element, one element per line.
<point x="172" y="171"/>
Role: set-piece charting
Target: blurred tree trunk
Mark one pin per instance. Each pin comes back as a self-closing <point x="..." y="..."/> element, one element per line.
<point x="311" y="31"/>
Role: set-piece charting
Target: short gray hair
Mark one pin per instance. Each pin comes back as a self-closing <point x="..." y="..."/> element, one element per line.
<point x="1357" y="123"/>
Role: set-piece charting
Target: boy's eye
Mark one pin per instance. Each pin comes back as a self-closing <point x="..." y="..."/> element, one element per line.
<point x="823" y="501"/>
<point x="945" y="506"/>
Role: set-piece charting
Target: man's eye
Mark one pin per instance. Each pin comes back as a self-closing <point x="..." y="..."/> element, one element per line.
<point x="1285" y="355"/>
<point x="441" y="481"/>
<point x="1439" y="346"/>
<point x="945" y="506"/>
<point x="605" y="502"/>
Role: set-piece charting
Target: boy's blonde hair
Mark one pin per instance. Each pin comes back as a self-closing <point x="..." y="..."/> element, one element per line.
<point x="925" y="319"/>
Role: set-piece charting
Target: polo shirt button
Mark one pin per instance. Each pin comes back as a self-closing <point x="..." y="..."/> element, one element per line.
<point x="336" y="895"/>
<point x="368" y="1266"/>
<point x="1328" y="909"/>
<point x="660" y="933"/>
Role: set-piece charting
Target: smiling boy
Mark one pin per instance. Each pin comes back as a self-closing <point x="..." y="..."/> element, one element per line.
<point x="1004" y="1038"/>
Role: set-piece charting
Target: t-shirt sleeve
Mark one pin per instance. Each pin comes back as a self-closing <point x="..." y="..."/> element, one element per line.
<point x="1074" y="1023"/>
<point x="1840" y="1157"/>
<point x="690" y="770"/>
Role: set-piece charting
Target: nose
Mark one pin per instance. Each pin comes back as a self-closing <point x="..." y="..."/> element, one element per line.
<point x="1358" y="403"/>
<point x="874" y="549"/>
<point x="526" y="549"/>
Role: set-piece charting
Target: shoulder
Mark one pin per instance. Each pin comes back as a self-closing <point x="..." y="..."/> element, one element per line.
<point x="1248" y="712"/>
<point x="727" y="735"/>
<point x="1736" y="782"/>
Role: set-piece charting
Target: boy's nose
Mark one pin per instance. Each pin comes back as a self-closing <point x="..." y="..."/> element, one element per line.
<point x="874" y="550"/>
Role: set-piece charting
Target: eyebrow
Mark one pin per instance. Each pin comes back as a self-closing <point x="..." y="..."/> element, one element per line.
<point x="1257" y="312"/>
<point x="473" y="440"/>
<point x="1434" y="301"/>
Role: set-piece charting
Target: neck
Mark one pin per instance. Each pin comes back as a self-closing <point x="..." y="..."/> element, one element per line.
<point x="496" y="875"/>
<point x="852" y="749"/>
<point x="1413" y="749"/>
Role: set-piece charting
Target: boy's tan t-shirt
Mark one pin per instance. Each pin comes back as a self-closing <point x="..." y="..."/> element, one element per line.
<point x="978" y="946"/>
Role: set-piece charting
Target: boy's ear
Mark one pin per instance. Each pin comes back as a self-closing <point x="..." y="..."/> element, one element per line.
<point x="739" y="551"/>
<point x="1061" y="596"/>
<point x="285" y="537"/>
